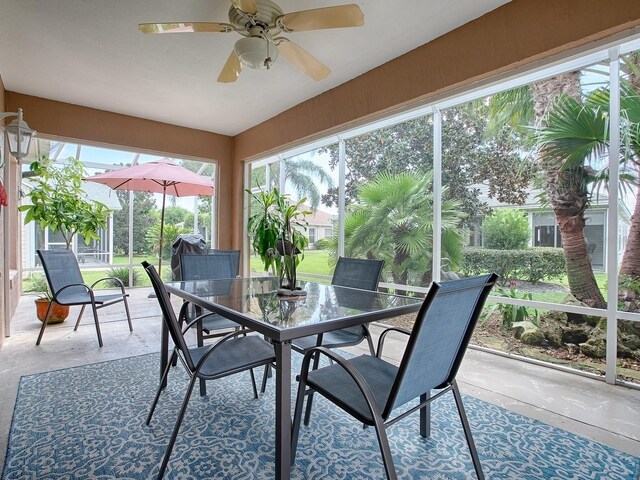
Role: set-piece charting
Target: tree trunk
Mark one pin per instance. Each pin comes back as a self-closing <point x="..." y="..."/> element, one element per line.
<point x="631" y="258"/>
<point x="568" y="195"/>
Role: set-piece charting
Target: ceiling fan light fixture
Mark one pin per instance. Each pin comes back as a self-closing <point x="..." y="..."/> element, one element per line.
<point x="256" y="52"/>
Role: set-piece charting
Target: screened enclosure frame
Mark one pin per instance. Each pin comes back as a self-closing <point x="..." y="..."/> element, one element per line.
<point x="610" y="54"/>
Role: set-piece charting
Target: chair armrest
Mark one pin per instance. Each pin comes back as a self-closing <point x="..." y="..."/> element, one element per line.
<point x="89" y="291"/>
<point x="117" y="280"/>
<point x="383" y="336"/>
<point x="216" y="345"/>
<point x="357" y="377"/>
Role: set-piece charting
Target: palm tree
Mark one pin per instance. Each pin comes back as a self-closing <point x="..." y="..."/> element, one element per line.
<point x="578" y="134"/>
<point x="565" y="187"/>
<point x="301" y="174"/>
<point x="393" y="221"/>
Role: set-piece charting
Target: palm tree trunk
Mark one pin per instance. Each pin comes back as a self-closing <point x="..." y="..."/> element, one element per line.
<point x="631" y="258"/>
<point x="568" y="196"/>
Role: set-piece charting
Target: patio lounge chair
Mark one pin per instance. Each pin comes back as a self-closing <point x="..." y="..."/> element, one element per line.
<point x="369" y="388"/>
<point x="68" y="288"/>
<point x="234" y="353"/>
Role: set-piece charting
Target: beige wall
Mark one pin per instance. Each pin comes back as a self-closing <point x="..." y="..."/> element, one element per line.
<point x="512" y="36"/>
<point x="65" y="120"/>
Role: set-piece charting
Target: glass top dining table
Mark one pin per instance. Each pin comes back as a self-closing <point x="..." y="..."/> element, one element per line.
<point x="253" y="302"/>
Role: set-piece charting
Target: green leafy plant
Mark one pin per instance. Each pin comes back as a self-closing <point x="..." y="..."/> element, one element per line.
<point x="277" y="233"/>
<point x="511" y="314"/>
<point x="506" y="229"/>
<point x="169" y="235"/>
<point x="122" y="274"/>
<point x="37" y="283"/>
<point x="532" y="264"/>
<point x="59" y="203"/>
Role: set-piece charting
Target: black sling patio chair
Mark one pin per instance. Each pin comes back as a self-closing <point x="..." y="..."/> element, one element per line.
<point x="369" y="388"/>
<point x="213" y="265"/>
<point x="68" y="288"/>
<point x="349" y="272"/>
<point x="217" y="264"/>
<point x="234" y="353"/>
<point x="354" y="273"/>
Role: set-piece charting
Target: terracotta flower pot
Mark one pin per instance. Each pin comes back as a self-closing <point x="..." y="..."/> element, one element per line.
<point x="58" y="314"/>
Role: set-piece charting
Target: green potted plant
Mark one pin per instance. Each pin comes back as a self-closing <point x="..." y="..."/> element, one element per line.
<point x="59" y="203"/>
<point x="277" y="235"/>
<point x="38" y="284"/>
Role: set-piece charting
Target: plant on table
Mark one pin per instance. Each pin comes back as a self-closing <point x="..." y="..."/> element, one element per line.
<point x="277" y="234"/>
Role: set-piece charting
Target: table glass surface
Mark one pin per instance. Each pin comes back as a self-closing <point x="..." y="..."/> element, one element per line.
<point x="256" y="298"/>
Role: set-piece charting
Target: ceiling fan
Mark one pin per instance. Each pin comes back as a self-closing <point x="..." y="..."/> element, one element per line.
<point x="261" y="22"/>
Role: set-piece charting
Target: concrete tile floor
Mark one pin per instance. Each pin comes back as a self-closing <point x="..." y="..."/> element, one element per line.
<point x="601" y="412"/>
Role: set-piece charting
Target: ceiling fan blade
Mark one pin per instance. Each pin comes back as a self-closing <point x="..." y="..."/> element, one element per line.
<point x="185" y="27"/>
<point x="246" y="6"/>
<point x="303" y="59"/>
<point x="231" y="70"/>
<point x="330" y="17"/>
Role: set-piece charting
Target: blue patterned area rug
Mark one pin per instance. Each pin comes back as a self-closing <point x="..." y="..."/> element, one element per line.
<point x="88" y="423"/>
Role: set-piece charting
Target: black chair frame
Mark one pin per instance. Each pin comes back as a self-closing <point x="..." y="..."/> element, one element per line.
<point x="73" y="289"/>
<point x="380" y="416"/>
<point x="195" y="369"/>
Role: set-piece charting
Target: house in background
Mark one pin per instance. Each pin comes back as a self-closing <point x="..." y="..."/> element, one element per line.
<point x="546" y="233"/>
<point x="320" y="225"/>
<point x="96" y="253"/>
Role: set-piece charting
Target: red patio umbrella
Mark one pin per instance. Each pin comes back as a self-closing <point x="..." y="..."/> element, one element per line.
<point x="157" y="177"/>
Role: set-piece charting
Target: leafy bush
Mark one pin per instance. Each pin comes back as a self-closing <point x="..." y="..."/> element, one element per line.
<point x="322" y="244"/>
<point x="506" y="229"/>
<point x="122" y="273"/>
<point x="37" y="283"/>
<point x="531" y="264"/>
<point x="511" y="314"/>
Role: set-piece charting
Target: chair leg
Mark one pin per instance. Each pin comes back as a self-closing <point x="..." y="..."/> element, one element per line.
<point x="44" y="322"/>
<point x="163" y="379"/>
<point x="176" y="429"/>
<point x="425" y="416"/>
<point x="79" y="317"/>
<point x="383" y="442"/>
<point x="367" y="335"/>
<point x="126" y="308"/>
<point x="307" y="413"/>
<point x="95" y="319"/>
<point x="203" y="383"/>
<point x="467" y="431"/>
<point x="297" y="415"/>
<point x="265" y="377"/>
<point x="253" y="383"/>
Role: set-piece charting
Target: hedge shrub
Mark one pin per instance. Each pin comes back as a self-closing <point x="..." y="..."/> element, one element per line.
<point x="506" y="229"/>
<point x="322" y="244"/>
<point x="531" y="264"/>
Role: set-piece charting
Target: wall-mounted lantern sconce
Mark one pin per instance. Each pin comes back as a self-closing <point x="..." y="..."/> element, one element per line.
<point x="18" y="134"/>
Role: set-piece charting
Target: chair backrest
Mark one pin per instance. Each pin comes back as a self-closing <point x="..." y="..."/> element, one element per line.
<point x="357" y="273"/>
<point x="440" y="337"/>
<point x="168" y="315"/>
<point x="234" y="256"/>
<point x="209" y="266"/>
<point x="61" y="269"/>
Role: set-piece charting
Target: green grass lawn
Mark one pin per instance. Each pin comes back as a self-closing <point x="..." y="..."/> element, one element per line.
<point x="315" y="261"/>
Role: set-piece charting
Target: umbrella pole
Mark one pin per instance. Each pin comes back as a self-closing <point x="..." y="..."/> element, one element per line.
<point x="164" y="196"/>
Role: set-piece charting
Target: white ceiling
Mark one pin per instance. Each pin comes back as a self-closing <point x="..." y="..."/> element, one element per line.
<point x="90" y="52"/>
